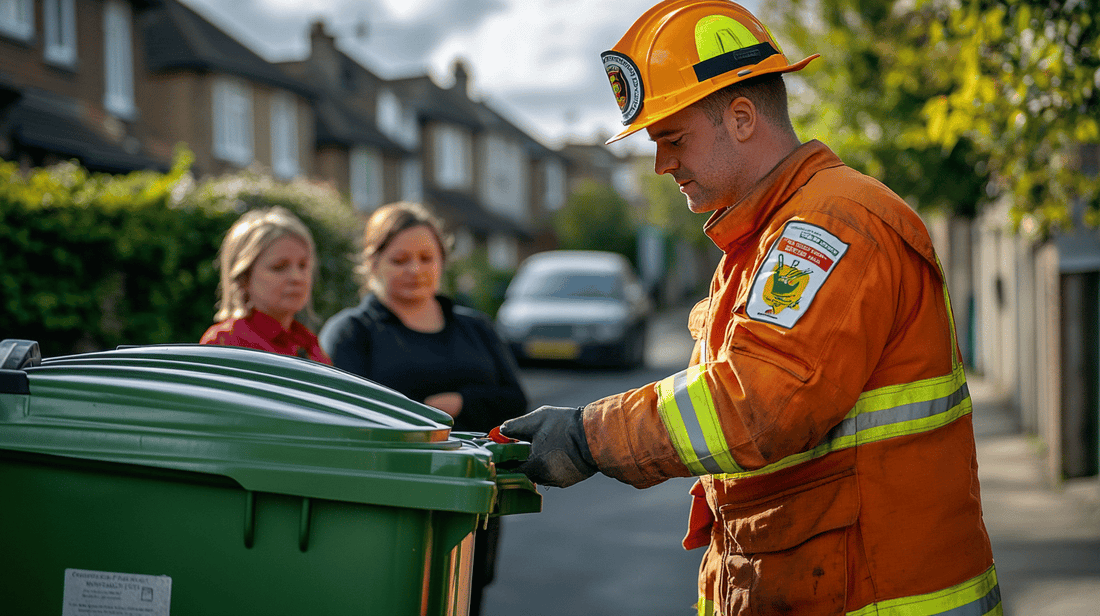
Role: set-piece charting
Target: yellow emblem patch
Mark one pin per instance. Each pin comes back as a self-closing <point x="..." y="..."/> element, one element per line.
<point x="785" y="286"/>
<point x="792" y="273"/>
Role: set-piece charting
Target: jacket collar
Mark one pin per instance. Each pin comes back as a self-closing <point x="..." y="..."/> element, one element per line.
<point x="729" y="226"/>
<point x="269" y="327"/>
<point x="377" y="311"/>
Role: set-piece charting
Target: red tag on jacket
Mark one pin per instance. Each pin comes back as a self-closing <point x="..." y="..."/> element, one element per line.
<point x="700" y="520"/>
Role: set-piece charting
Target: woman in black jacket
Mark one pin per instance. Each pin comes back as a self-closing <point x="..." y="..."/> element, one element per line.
<point x="408" y="337"/>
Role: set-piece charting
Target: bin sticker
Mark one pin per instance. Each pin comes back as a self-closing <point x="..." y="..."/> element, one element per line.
<point x="102" y="593"/>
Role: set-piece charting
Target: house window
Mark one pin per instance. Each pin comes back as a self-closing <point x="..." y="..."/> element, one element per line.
<point x="118" y="54"/>
<point x="365" y="177"/>
<point x="395" y="120"/>
<point x="504" y="176"/>
<point x="554" y="175"/>
<point x="502" y="251"/>
<point x="389" y="116"/>
<point x="452" y="157"/>
<point x="284" y="135"/>
<point x="411" y="185"/>
<point x="463" y="245"/>
<point x="410" y="127"/>
<point x="17" y="18"/>
<point x="59" y="20"/>
<point x="232" y="121"/>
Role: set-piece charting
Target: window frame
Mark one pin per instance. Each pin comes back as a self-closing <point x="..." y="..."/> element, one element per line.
<point x="365" y="178"/>
<point x="502" y="252"/>
<point x="17" y="19"/>
<point x="285" y="162"/>
<point x="118" y="59"/>
<point x="452" y="157"/>
<point x="412" y="180"/>
<point x="554" y="188"/>
<point x="59" y="18"/>
<point x="233" y="137"/>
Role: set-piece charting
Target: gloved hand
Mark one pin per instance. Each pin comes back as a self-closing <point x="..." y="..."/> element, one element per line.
<point x="559" y="451"/>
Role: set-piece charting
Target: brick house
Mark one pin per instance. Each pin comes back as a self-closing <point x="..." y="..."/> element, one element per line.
<point x="367" y="143"/>
<point x="230" y="106"/>
<point x="70" y="84"/>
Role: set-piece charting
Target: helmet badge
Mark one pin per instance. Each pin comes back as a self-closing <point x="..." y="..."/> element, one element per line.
<point x="626" y="84"/>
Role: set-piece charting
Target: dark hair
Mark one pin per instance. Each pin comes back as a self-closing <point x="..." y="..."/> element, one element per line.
<point x="389" y="220"/>
<point x="767" y="92"/>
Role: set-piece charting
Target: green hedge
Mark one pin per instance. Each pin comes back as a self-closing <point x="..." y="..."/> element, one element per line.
<point x="92" y="261"/>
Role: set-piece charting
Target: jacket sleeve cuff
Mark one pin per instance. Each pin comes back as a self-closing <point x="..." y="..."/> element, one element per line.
<point x="628" y="441"/>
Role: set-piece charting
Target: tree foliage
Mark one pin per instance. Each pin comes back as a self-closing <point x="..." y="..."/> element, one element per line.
<point x="596" y="217"/>
<point x="957" y="103"/>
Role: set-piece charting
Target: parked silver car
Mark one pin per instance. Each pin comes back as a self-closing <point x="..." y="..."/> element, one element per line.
<point x="581" y="306"/>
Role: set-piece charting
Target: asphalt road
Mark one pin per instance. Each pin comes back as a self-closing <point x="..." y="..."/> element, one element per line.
<point x="601" y="547"/>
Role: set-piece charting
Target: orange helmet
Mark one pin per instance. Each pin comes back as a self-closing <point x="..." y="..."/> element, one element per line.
<point x="680" y="51"/>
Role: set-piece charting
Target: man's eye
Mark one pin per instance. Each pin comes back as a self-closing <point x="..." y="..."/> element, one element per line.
<point x="676" y="141"/>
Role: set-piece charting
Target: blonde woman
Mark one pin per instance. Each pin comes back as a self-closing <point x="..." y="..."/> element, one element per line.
<point x="408" y="337"/>
<point x="267" y="261"/>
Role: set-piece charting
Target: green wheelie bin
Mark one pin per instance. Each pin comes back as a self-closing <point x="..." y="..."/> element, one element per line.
<point x="207" y="480"/>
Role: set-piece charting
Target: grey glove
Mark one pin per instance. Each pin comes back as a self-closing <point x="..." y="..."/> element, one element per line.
<point x="559" y="451"/>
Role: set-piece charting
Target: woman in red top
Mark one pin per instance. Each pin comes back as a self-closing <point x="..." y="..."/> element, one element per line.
<point x="267" y="260"/>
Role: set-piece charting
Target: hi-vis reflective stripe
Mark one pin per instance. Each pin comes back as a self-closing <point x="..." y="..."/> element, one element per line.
<point x="980" y="596"/>
<point x="686" y="406"/>
<point x="688" y="412"/>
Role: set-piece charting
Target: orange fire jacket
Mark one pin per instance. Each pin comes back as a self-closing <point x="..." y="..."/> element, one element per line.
<point x="825" y="410"/>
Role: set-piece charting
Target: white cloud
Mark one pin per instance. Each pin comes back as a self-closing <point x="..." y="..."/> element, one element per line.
<point x="297" y="6"/>
<point x="404" y="10"/>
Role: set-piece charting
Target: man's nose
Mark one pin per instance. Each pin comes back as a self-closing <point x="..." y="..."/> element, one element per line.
<point x="663" y="162"/>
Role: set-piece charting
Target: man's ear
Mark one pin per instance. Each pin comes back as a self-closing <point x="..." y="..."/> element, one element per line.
<point x="740" y="118"/>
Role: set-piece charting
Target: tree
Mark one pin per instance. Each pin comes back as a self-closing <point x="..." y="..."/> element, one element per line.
<point x="956" y="103"/>
<point x="596" y="217"/>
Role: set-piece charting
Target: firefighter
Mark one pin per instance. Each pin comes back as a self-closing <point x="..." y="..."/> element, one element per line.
<point x="825" y="408"/>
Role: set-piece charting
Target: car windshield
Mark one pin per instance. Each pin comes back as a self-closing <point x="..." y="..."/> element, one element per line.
<point x="570" y="285"/>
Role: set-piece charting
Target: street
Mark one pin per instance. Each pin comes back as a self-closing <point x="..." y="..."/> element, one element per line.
<point x="602" y="547"/>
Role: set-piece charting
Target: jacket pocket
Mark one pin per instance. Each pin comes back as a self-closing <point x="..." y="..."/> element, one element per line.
<point x="787" y="554"/>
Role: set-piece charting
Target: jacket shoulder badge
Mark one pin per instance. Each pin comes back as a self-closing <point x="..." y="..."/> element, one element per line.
<point x="796" y="267"/>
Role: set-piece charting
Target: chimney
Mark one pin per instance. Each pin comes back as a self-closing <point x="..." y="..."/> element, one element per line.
<point x="322" y="53"/>
<point x="462" y="77"/>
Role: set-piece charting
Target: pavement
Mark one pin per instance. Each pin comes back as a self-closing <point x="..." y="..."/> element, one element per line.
<point x="1046" y="538"/>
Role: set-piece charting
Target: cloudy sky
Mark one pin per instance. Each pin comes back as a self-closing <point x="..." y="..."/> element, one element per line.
<point x="535" y="61"/>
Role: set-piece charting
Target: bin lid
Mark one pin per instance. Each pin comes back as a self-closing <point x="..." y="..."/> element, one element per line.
<point x="270" y="422"/>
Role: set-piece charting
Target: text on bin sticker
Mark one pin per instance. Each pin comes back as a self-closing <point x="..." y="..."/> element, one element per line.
<point x="102" y="593"/>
